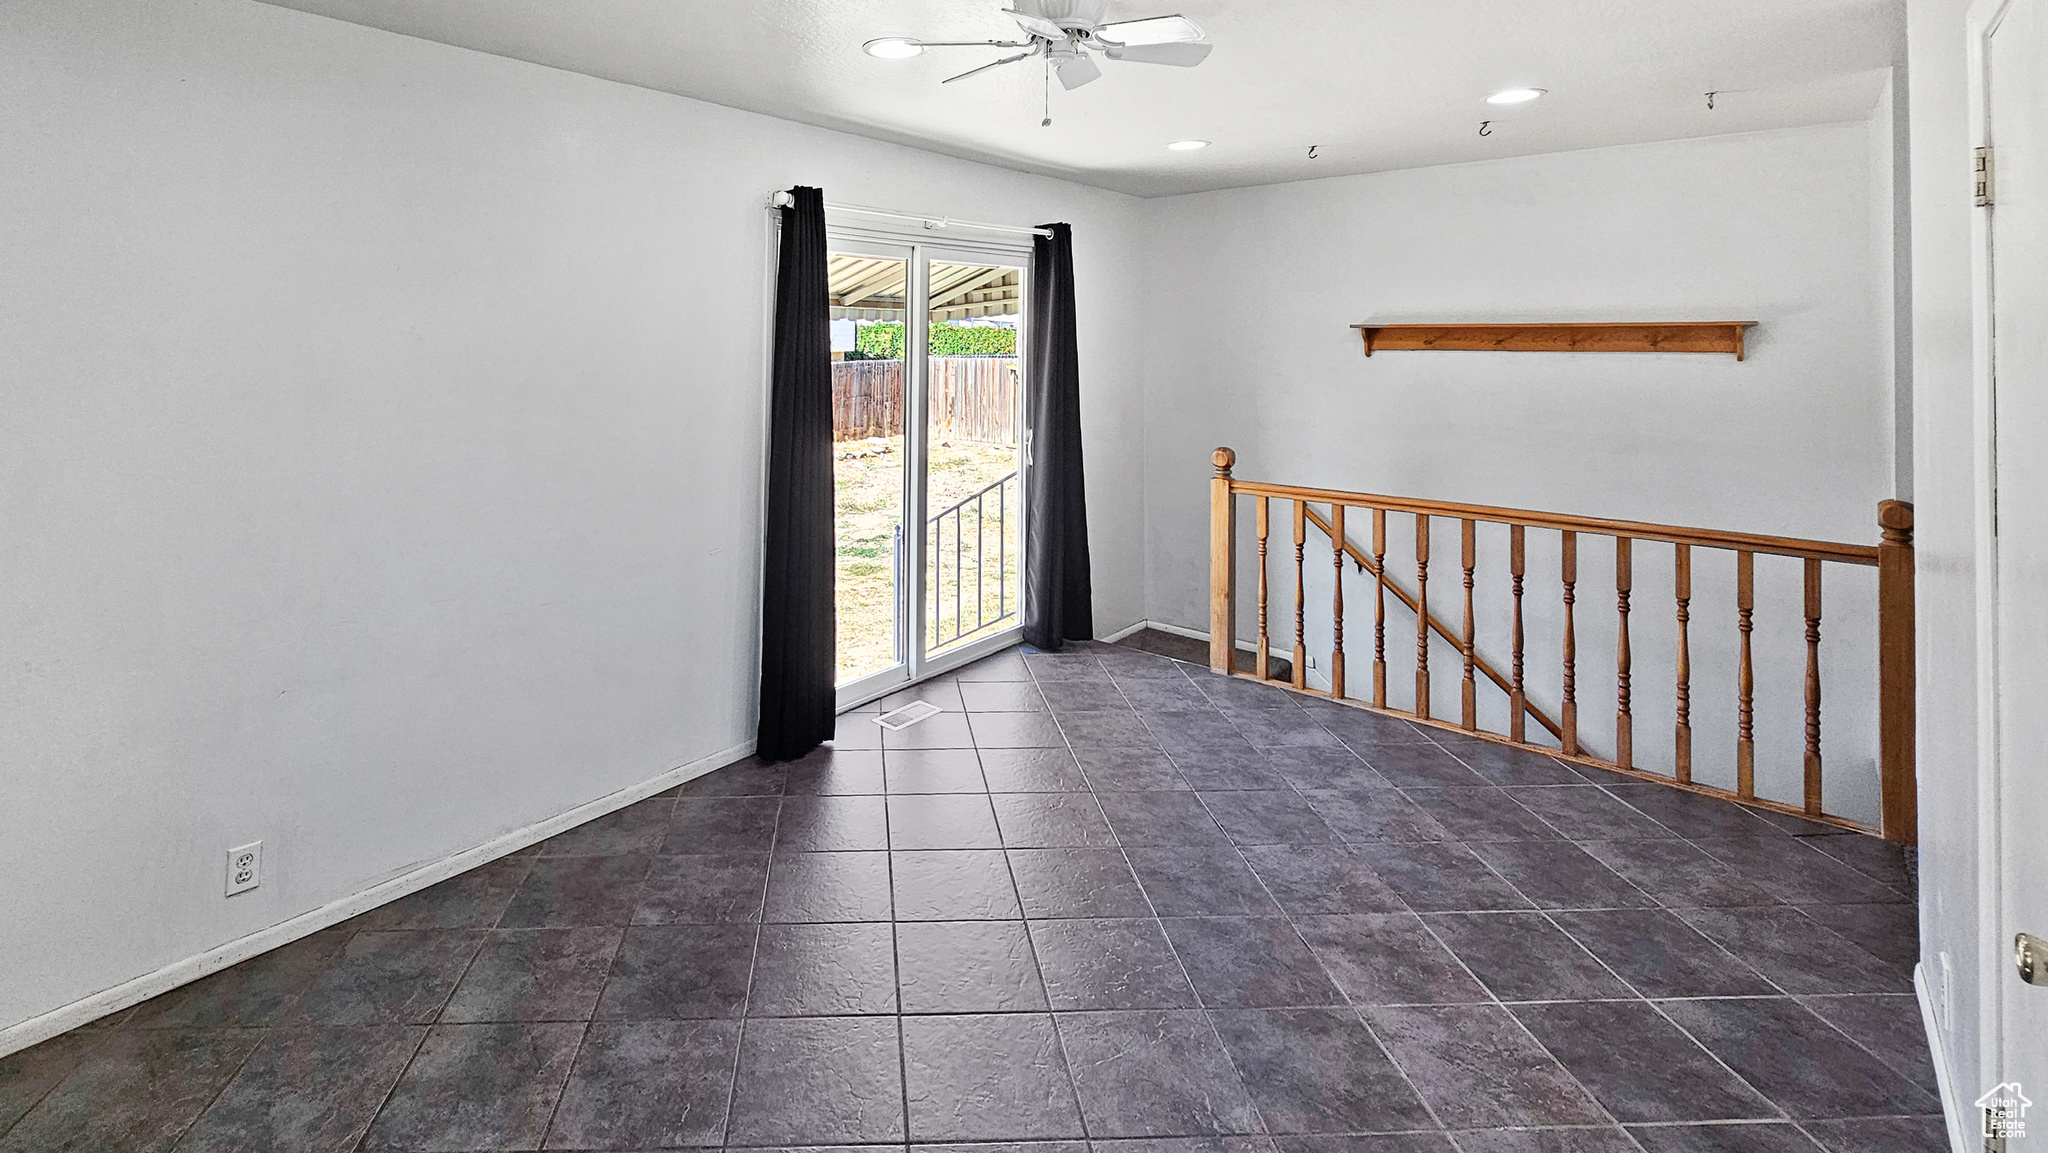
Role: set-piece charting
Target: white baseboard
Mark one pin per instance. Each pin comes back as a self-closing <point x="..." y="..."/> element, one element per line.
<point x="1959" y="1122"/>
<point x="1163" y="627"/>
<point x="1244" y="644"/>
<point x="1121" y="633"/>
<point x="133" y="992"/>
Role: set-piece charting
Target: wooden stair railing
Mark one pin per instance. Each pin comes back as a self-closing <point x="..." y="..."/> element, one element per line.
<point x="1892" y="557"/>
<point x="1392" y="584"/>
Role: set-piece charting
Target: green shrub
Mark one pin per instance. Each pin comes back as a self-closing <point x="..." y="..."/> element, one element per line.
<point x="883" y="340"/>
<point x="962" y="340"/>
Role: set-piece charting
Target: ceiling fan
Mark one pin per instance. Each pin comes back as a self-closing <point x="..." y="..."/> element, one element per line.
<point x="1064" y="32"/>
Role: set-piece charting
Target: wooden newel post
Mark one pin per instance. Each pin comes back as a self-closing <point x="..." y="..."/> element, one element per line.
<point x="1895" y="673"/>
<point x="1222" y="551"/>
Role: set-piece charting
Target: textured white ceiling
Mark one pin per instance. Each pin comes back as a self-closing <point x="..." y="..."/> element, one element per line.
<point x="1378" y="84"/>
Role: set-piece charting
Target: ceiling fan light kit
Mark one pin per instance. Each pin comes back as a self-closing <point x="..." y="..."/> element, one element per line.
<point x="893" y="48"/>
<point x="1065" y="32"/>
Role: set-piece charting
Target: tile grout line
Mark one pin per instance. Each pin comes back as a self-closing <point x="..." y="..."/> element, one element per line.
<point x="896" y="941"/>
<point x="54" y="1085"/>
<point x="1321" y="965"/>
<point x="732" y="1083"/>
<point x="1781" y="991"/>
<point x="1625" y="983"/>
<point x="1030" y="942"/>
<point x="265" y="1034"/>
<point x="1659" y="1010"/>
<point x="385" y="1098"/>
<point x="1484" y="987"/>
<point x="427" y="1029"/>
<point x="1563" y="838"/>
<point x="1265" y="1130"/>
<point x="1493" y="999"/>
<point x="583" y="1034"/>
<point x="1356" y="1011"/>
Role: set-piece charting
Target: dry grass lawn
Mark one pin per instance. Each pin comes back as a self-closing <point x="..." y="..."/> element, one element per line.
<point x="868" y="477"/>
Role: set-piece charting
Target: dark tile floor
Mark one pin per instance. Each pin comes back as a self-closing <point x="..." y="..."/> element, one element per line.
<point x="1103" y="898"/>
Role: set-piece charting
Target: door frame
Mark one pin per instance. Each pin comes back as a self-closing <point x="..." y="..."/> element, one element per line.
<point x="1993" y="961"/>
<point x="911" y="591"/>
<point x="912" y="245"/>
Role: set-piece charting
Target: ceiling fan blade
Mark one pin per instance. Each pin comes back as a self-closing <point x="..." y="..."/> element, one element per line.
<point x="1152" y="30"/>
<point x="1178" y="55"/>
<point x="989" y="65"/>
<point x="1076" y="71"/>
<point x="1037" y="25"/>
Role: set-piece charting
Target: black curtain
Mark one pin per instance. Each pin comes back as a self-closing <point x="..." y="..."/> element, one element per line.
<point x="797" y="617"/>
<point x="1058" y="600"/>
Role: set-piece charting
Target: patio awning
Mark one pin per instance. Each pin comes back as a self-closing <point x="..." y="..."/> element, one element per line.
<point x="872" y="288"/>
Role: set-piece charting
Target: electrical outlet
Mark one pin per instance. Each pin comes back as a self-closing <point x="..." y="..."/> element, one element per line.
<point x="245" y="868"/>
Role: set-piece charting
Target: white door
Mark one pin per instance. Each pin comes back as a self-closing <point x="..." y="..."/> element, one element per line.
<point x="2016" y="119"/>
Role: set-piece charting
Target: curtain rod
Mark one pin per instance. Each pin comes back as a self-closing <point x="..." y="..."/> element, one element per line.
<point x="784" y="200"/>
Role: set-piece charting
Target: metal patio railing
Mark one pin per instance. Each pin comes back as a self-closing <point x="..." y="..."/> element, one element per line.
<point x="960" y="577"/>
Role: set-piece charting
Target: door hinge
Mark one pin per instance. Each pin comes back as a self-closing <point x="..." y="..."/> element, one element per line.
<point x="1994" y="1131"/>
<point x="1981" y="172"/>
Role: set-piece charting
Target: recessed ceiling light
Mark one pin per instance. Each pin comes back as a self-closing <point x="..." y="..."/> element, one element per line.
<point x="894" y="48"/>
<point x="1188" y="145"/>
<point x="1514" y="96"/>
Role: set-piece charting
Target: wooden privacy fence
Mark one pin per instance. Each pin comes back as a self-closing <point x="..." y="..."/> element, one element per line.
<point x="1892" y="558"/>
<point x="972" y="398"/>
<point x="867" y="399"/>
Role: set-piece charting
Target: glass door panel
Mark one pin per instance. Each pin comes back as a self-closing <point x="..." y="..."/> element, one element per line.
<point x="928" y="491"/>
<point x="870" y="292"/>
<point x="973" y="489"/>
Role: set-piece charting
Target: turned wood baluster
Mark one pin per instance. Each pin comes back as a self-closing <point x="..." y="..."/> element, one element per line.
<point x="1337" y="602"/>
<point x="1517" y="698"/>
<point x="1569" y="721"/>
<point x="1422" y="615"/>
<point x="1300" y="596"/>
<point x="1813" y="687"/>
<point x="1624" y="723"/>
<point x="1683" y="733"/>
<point x="1745" y="677"/>
<point x="1265" y="642"/>
<point x="1469" y="701"/>
<point x="1379" y="608"/>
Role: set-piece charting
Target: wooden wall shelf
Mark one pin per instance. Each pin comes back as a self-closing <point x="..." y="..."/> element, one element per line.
<point x="1684" y="336"/>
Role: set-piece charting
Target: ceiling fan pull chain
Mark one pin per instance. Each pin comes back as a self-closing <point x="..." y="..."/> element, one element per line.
<point x="1047" y="122"/>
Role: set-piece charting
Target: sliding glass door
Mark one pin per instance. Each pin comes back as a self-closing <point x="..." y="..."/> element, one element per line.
<point x="927" y="460"/>
<point x="973" y="407"/>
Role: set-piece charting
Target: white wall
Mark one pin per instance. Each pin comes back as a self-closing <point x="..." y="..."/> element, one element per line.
<point x="380" y="444"/>
<point x="1957" y="960"/>
<point x="1254" y="291"/>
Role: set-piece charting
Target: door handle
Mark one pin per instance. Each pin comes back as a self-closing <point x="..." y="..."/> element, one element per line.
<point x="2031" y="954"/>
